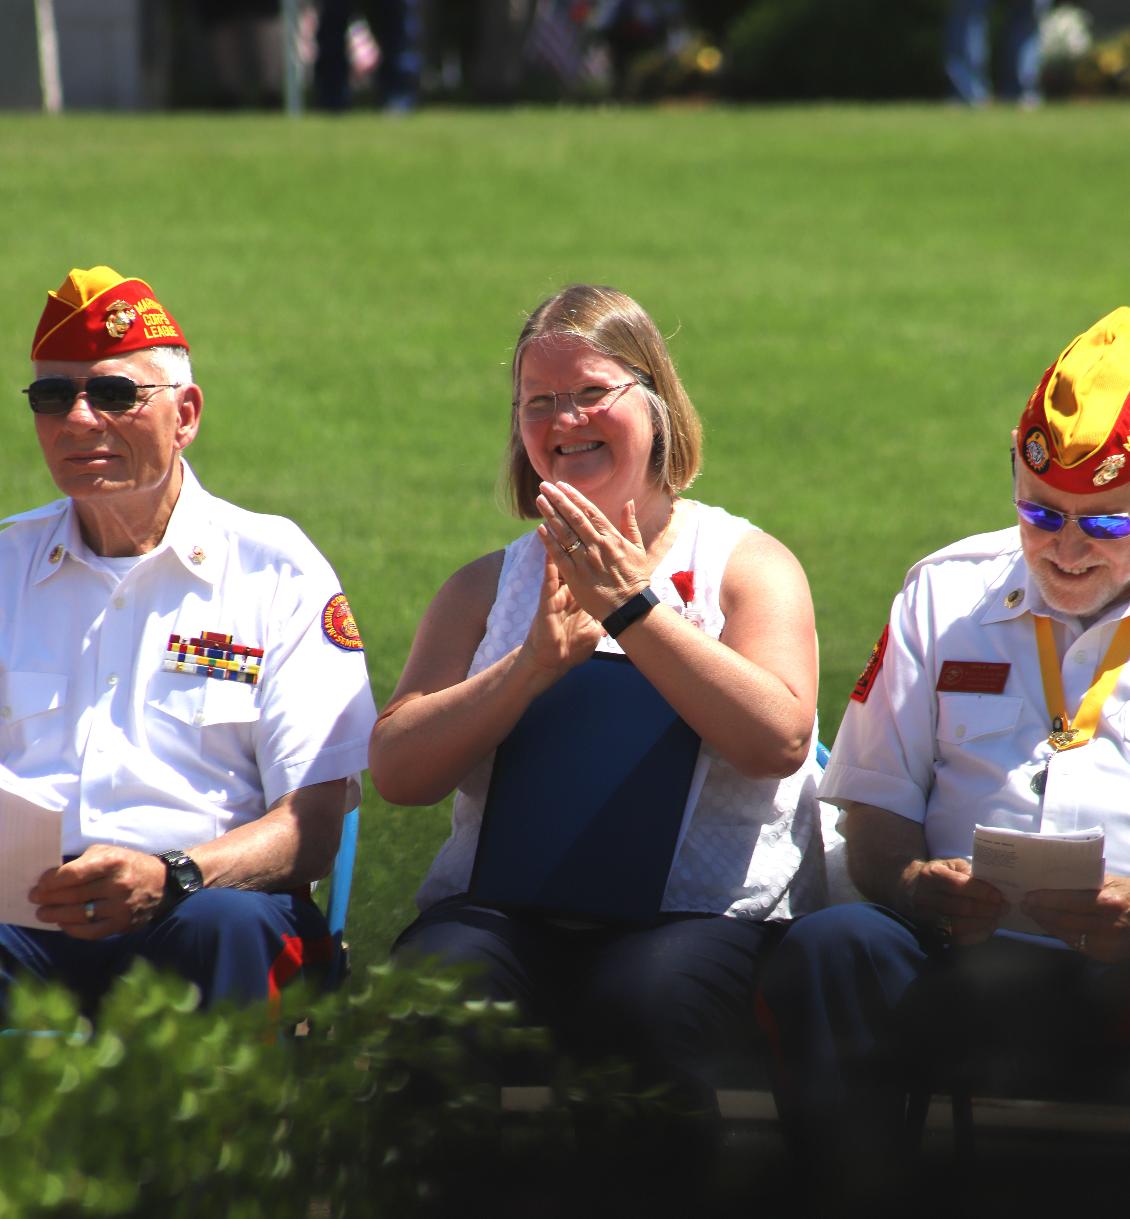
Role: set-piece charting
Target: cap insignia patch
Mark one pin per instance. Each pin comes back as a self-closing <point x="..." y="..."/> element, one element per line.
<point x="339" y="626"/>
<point x="1109" y="469"/>
<point x="1036" y="454"/>
<point x="120" y="316"/>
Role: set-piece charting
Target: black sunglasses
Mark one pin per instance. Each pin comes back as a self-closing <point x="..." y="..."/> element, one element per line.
<point x="110" y="394"/>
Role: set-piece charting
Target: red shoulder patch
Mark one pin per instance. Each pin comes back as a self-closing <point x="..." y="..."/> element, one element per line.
<point x="339" y="626"/>
<point x="871" y="671"/>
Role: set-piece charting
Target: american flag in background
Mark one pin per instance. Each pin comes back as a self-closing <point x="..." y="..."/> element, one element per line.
<point x="554" y="40"/>
<point x="362" y="49"/>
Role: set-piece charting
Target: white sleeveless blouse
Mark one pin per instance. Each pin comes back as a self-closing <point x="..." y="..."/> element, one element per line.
<point x="750" y="848"/>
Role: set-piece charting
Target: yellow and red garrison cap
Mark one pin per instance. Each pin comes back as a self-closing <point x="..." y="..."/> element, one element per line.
<point x="1075" y="431"/>
<point x="97" y="314"/>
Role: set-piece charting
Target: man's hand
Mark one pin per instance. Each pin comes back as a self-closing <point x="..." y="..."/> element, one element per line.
<point x="106" y="890"/>
<point x="1096" y="923"/>
<point x="942" y="893"/>
<point x="887" y="857"/>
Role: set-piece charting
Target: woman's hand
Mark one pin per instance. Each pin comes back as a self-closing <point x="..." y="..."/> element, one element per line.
<point x="561" y="634"/>
<point x="609" y="565"/>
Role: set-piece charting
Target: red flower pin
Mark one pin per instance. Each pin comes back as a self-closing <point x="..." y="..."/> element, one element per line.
<point x="684" y="585"/>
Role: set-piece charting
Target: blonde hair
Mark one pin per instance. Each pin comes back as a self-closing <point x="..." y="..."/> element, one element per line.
<point x="612" y="323"/>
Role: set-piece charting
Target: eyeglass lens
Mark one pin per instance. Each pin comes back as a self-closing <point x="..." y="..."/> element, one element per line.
<point x="1103" y="527"/>
<point x="56" y="395"/>
<point x="542" y="406"/>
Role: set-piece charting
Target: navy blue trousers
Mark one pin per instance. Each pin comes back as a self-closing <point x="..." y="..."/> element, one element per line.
<point x="235" y="945"/>
<point x="859" y="1006"/>
<point x="675" y="995"/>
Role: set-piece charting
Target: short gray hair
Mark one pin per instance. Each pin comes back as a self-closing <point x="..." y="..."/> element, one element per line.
<point x="174" y="362"/>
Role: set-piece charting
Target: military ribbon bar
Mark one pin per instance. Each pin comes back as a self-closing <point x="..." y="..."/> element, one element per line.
<point x="213" y="654"/>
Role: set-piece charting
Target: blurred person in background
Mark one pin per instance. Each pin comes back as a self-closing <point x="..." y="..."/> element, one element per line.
<point x="244" y="39"/>
<point x="395" y="24"/>
<point x="968" y="57"/>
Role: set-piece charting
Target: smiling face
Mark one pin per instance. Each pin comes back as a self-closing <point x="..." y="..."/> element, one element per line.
<point x="1077" y="574"/>
<point x="117" y="466"/>
<point x="606" y="454"/>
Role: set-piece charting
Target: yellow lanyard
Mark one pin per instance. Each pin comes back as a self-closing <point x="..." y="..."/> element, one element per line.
<point x="1067" y="733"/>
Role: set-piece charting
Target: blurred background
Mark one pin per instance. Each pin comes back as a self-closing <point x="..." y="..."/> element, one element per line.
<point x="397" y="54"/>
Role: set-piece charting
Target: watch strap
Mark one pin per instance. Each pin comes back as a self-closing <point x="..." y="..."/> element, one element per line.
<point x="634" y="608"/>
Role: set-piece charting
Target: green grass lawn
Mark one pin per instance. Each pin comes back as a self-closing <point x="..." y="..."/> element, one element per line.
<point x="859" y="300"/>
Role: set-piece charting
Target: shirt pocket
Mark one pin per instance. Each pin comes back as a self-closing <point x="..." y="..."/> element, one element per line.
<point x="23" y="695"/>
<point x="203" y="702"/>
<point x="963" y="718"/>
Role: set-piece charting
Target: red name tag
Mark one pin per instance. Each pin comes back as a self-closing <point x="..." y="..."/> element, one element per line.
<point x="972" y="677"/>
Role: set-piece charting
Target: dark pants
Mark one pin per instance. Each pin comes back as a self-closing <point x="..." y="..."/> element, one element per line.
<point x="673" y="997"/>
<point x="859" y="1007"/>
<point x="233" y="944"/>
<point x="396" y="27"/>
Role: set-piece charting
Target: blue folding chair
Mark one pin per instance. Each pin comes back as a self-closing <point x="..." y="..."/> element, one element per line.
<point x="341" y="884"/>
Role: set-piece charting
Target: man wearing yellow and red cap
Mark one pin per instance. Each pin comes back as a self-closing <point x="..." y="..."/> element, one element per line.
<point x="181" y="678"/>
<point x="997" y="696"/>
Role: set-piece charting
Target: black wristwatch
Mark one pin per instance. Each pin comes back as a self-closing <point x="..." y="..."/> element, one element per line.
<point x="635" y="607"/>
<point x="182" y="878"/>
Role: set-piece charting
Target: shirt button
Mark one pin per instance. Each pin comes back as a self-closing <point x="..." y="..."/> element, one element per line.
<point x="5" y="712"/>
<point x="959" y="731"/>
<point x="1080" y="658"/>
<point x="119" y="602"/>
<point x="198" y="718"/>
<point x="112" y="680"/>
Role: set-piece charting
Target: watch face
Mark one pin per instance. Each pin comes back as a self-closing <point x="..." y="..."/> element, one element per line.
<point x="183" y="875"/>
<point x="187" y="876"/>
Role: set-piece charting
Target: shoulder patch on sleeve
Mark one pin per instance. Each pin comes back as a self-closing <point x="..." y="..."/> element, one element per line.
<point x="339" y="626"/>
<point x="871" y="671"/>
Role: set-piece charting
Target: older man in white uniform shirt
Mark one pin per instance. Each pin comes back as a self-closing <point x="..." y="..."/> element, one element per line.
<point x="996" y="696"/>
<point x="182" y="678"/>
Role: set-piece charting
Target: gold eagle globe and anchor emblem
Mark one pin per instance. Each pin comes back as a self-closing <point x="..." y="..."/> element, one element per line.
<point x="1109" y="469"/>
<point x="120" y="316"/>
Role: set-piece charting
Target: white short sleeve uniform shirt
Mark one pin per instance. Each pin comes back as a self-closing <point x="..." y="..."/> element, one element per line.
<point x="94" y="722"/>
<point x="953" y="747"/>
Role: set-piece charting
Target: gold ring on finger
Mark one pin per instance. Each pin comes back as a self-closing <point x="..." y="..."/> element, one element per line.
<point x="575" y="544"/>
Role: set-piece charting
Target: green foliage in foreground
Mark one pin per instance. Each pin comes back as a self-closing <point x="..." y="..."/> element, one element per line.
<point x="165" y="1110"/>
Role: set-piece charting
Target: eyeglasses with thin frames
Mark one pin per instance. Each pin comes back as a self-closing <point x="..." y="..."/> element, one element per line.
<point x="583" y="401"/>
<point x="1104" y="526"/>
<point x="110" y="395"/>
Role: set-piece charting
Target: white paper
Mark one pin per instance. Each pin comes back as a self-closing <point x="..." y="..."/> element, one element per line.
<point x="30" y="843"/>
<point x="1017" y="862"/>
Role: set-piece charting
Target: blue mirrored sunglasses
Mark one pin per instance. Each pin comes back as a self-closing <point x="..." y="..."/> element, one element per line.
<point x="1105" y="526"/>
